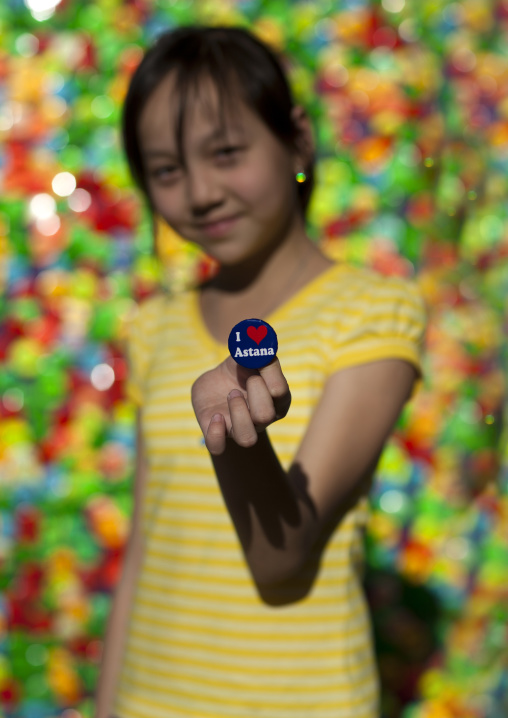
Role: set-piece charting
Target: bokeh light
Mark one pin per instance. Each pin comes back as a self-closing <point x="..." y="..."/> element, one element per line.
<point x="64" y="184"/>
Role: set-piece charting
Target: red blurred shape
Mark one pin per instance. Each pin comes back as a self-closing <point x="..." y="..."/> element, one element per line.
<point x="105" y="574"/>
<point x="78" y="646"/>
<point x="46" y="329"/>
<point x="29" y="615"/>
<point x="384" y="37"/>
<point x="56" y="443"/>
<point x="19" y="174"/>
<point x="10" y="694"/>
<point x="106" y="211"/>
<point x="421" y="209"/>
<point x="89" y="60"/>
<point x="23" y="600"/>
<point x="379" y="34"/>
<point x="418" y="450"/>
<point x="27" y="524"/>
<point x="343" y="225"/>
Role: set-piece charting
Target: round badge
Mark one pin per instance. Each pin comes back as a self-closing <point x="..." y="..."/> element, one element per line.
<point x="253" y="343"/>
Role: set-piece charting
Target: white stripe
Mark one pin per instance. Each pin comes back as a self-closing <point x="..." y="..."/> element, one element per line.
<point x="181" y="531"/>
<point x="255" y="627"/>
<point x="210" y="645"/>
<point x="153" y="585"/>
<point x="193" y="542"/>
<point x="297" y="613"/>
<point x="201" y="688"/>
<point x="159" y="567"/>
<point x="166" y="444"/>
<point x="334" y="670"/>
<point x="128" y="706"/>
<point x="250" y="663"/>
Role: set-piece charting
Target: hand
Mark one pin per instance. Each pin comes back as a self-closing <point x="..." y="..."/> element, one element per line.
<point x="233" y="402"/>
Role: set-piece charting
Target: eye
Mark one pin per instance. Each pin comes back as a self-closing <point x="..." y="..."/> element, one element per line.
<point x="227" y="152"/>
<point x="164" y="173"/>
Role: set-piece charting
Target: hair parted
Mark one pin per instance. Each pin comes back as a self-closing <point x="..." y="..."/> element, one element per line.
<point x="236" y="62"/>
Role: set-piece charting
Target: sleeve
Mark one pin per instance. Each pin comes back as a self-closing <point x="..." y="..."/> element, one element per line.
<point x="141" y="342"/>
<point x="387" y="321"/>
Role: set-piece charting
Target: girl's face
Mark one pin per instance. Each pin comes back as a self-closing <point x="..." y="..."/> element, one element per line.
<point x="234" y="194"/>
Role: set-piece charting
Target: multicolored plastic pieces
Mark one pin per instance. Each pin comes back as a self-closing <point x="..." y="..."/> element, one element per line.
<point x="409" y="101"/>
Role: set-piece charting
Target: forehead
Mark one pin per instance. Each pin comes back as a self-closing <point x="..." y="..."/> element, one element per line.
<point x="203" y="113"/>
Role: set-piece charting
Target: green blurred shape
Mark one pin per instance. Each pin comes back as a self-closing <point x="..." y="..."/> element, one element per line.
<point x="104" y="323"/>
<point x="24" y="309"/>
<point x="86" y="245"/>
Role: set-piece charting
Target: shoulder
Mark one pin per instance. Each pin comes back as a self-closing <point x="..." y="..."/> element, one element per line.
<point x="150" y="308"/>
<point x="347" y="282"/>
<point x="148" y="315"/>
<point x="144" y="316"/>
<point x="364" y="295"/>
<point x="366" y="316"/>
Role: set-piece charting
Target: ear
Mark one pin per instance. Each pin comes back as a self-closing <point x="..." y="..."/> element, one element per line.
<point x="305" y="146"/>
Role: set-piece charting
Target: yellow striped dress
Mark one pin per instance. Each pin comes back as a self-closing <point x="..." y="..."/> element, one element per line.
<point x="202" y="641"/>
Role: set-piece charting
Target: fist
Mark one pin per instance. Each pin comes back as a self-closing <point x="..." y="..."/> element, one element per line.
<point x="234" y="402"/>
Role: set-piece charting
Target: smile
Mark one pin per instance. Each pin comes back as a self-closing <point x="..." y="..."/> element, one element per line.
<point x="219" y="226"/>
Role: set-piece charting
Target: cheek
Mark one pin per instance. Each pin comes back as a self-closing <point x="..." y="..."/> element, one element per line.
<point x="265" y="184"/>
<point x="166" y="202"/>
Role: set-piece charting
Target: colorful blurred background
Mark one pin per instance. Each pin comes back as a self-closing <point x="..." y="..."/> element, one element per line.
<point x="410" y="103"/>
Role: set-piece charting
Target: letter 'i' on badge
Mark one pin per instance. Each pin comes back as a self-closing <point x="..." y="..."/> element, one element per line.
<point x="253" y="343"/>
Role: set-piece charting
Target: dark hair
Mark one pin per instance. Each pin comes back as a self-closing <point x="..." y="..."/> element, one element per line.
<point x="235" y="61"/>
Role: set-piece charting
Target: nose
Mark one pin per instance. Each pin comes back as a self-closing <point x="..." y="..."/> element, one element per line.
<point x="204" y="191"/>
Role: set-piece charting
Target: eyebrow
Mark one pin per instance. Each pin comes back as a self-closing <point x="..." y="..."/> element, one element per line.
<point x="217" y="134"/>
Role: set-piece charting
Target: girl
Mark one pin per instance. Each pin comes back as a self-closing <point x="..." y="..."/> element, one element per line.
<point x="241" y="593"/>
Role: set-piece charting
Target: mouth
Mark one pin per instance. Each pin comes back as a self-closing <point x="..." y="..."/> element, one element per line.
<point x="219" y="226"/>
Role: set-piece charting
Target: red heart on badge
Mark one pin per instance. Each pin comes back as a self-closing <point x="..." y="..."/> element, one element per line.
<point x="257" y="334"/>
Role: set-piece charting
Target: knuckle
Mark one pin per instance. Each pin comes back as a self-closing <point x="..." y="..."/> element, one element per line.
<point x="216" y="448"/>
<point x="254" y="379"/>
<point x="247" y="439"/>
<point x="278" y="389"/>
<point x="265" y="416"/>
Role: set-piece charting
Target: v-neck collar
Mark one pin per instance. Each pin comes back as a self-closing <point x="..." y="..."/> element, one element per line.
<point x="276" y="315"/>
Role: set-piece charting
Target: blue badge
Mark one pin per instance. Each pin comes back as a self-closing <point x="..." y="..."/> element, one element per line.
<point x="253" y="343"/>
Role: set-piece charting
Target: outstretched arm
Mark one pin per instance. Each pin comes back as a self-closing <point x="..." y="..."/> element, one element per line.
<point x="279" y="515"/>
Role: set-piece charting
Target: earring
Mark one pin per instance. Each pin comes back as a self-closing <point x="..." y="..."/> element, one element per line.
<point x="301" y="177"/>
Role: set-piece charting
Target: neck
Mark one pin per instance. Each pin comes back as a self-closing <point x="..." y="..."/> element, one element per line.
<point x="258" y="287"/>
<point x="269" y="266"/>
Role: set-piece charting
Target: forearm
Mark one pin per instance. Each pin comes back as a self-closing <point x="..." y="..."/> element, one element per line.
<point x="114" y="644"/>
<point x="281" y="517"/>
<point x="273" y="514"/>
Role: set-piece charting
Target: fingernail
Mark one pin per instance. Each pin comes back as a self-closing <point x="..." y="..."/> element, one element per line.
<point x="235" y="392"/>
<point x="217" y="417"/>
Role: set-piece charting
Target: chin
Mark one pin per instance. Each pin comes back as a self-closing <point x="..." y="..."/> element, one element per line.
<point x="231" y="251"/>
<point x="228" y="253"/>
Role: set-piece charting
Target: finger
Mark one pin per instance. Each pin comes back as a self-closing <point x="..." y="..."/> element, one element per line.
<point x="261" y="406"/>
<point x="215" y="438"/>
<point x="238" y="373"/>
<point x="243" y="430"/>
<point x="277" y="386"/>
